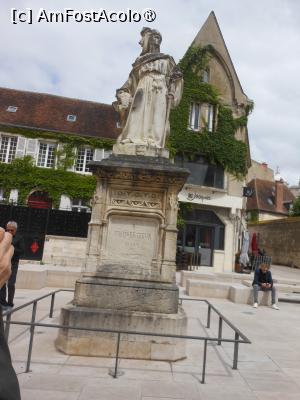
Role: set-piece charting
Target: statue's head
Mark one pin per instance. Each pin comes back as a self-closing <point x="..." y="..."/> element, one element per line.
<point x="150" y="41"/>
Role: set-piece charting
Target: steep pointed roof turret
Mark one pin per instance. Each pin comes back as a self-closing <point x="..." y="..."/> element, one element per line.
<point x="210" y="34"/>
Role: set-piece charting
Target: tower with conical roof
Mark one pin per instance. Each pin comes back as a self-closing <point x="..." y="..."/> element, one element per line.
<point x="210" y="124"/>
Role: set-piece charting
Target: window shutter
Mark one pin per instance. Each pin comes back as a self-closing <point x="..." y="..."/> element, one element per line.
<point x="107" y="153"/>
<point x="31" y="148"/>
<point x="20" y="151"/>
<point x="98" y="154"/>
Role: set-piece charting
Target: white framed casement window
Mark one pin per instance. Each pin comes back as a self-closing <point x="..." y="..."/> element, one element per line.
<point x="80" y="206"/>
<point x="194" y="119"/>
<point x="8" y="147"/>
<point x="210" y="117"/>
<point x="84" y="156"/>
<point x="46" y="155"/>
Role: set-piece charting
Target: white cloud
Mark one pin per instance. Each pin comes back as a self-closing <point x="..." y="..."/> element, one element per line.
<point x="90" y="61"/>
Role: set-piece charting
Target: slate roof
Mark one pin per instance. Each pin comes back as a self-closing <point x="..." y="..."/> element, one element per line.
<point x="263" y="198"/>
<point x="48" y="112"/>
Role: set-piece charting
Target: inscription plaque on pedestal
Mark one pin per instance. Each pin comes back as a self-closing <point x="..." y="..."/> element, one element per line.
<point x="131" y="240"/>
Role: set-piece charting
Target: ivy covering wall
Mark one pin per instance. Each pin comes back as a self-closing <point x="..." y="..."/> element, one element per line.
<point x="59" y="137"/>
<point x="218" y="147"/>
<point x="21" y="174"/>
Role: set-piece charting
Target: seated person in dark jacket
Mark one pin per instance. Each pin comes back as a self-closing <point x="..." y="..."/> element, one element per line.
<point x="263" y="281"/>
<point x="18" y="244"/>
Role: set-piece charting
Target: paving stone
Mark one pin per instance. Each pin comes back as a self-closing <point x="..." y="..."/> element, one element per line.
<point x="282" y="386"/>
<point x="28" y="394"/>
<point x="101" y="392"/>
<point x="269" y="368"/>
<point x="54" y="381"/>
<point x="86" y="371"/>
<point x="171" y="390"/>
<point x="276" y="396"/>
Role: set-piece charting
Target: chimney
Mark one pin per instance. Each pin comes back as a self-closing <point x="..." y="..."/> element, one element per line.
<point x="279" y="195"/>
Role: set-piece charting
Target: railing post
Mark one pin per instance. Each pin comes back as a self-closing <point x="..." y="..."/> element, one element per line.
<point x="220" y="331"/>
<point x="235" y="351"/>
<point x="208" y="316"/>
<point x="52" y="305"/>
<point x="117" y="356"/>
<point x="204" y="361"/>
<point x="7" y="326"/>
<point x="31" y="336"/>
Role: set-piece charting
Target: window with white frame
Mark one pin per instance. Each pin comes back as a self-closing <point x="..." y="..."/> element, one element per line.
<point x="210" y="117"/>
<point x="201" y="116"/>
<point x="12" y="109"/>
<point x="84" y="156"/>
<point x="71" y="118"/>
<point x="80" y="205"/>
<point x="46" y="155"/>
<point x="8" y="147"/>
<point x="194" y="120"/>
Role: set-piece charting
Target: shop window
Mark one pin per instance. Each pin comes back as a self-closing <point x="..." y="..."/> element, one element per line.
<point x="202" y="173"/>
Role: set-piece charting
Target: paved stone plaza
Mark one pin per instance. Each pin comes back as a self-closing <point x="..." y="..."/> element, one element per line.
<point x="269" y="368"/>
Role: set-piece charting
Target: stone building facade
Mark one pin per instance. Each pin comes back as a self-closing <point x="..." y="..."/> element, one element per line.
<point x="215" y="221"/>
<point x="39" y="125"/>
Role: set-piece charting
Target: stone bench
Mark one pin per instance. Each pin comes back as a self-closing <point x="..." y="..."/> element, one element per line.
<point x="40" y="276"/>
<point x="209" y="288"/>
<point x="223" y="277"/>
<point x="185" y="275"/>
<point x="281" y="287"/>
<point x="237" y="293"/>
<point x="242" y="294"/>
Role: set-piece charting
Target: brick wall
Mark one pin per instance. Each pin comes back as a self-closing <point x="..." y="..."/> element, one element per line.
<point x="280" y="239"/>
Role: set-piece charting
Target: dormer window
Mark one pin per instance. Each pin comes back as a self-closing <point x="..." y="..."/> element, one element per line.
<point x="12" y="109"/>
<point x="71" y="118"/>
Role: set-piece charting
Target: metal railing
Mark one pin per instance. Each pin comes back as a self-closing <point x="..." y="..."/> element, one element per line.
<point x="238" y="338"/>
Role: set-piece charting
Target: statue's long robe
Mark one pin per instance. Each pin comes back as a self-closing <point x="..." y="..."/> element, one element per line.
<point x="150" y="86"/>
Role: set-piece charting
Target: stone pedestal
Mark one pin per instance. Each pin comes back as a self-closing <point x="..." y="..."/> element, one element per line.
<point x="128" y="281"/>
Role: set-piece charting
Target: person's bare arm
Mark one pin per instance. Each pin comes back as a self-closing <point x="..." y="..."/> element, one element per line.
<point x="6" y="253"/>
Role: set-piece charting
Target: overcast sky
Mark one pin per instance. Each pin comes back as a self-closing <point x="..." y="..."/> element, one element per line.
<point x="90" y="60"/>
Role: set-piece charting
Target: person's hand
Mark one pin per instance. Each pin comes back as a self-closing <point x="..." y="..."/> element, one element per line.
<point x="268" y="285"/>
<point x="6" y="253"/>
<point x="263" y="285"/>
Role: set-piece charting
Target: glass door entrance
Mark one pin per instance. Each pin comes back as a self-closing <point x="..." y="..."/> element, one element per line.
<point x="198" y="241"/>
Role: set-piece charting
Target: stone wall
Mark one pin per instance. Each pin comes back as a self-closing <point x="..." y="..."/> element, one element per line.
<point x="280" y="239"/>
<point x="64" y="250"/>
